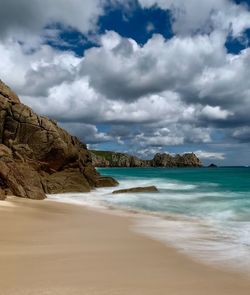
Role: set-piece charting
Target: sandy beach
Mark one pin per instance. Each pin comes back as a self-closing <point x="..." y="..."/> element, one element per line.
<point x="54" y="248"/>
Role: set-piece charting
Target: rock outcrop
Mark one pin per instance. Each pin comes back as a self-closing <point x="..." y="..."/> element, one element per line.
<point x="185" y="160"/>
<point x="2" y="195"/>
<point x="112" y="159"/>
<point x="39" y="157"/>
<point x="212" y="166"/>
<point x="146" y="189"/>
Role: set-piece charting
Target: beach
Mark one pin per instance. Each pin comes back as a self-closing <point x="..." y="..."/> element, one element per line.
<point x="54" y="248"/>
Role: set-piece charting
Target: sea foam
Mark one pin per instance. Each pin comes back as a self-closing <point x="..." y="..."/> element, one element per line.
<point x="200" y="215"/>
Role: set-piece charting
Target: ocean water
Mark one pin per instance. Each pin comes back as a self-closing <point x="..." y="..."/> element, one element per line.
<point x="204" y="213"/>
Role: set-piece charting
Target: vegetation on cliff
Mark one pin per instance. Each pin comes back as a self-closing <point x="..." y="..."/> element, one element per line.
<point x="113" y="159"/>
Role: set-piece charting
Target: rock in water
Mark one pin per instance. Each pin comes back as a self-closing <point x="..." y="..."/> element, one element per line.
<point x="146" y="189"/>
<point x="39" y="157"/>
<point x="212" y="166"/>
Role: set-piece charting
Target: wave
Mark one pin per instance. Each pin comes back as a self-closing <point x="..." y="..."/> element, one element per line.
<point x="198" y="219"/>
<point x="160" y="183"/>
<point x="219" y="245"/>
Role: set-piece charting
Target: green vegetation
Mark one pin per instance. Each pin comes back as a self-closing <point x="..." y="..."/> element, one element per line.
<point x="107" y="155"/>
<point x="104" y="154"/>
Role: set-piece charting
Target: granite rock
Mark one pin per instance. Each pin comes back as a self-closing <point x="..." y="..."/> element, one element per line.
<point x="146" y="189"/>
<point x="113" y="159"/>
<point x="39" y="157"/>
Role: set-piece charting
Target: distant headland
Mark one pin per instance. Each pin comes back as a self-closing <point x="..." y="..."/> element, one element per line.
<point x="114" y="159"/>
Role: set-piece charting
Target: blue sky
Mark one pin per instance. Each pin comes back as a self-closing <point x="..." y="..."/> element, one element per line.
<point x="137" y="23"/>
<point x="140" y="76"/>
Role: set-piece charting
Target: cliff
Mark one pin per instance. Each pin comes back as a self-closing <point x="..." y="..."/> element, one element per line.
<point x="112" y="159"/>
<point x="39" y="157"/>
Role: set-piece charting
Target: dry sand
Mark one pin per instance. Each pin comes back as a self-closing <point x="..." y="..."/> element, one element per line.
<point x="53" y="248"/>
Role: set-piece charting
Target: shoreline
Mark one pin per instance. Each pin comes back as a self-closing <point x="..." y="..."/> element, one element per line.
<point x="56" y="248"/>
<point x="190" y="236"/>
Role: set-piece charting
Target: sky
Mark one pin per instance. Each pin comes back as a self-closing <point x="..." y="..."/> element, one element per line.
<point x="135" y="76"/>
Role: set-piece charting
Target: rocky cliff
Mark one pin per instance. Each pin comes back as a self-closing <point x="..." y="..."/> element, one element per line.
<point x="112" y="159"/>
<point x="39" y="157"/>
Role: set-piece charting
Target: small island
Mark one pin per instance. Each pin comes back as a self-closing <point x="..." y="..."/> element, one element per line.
<point x="212" y="166"/>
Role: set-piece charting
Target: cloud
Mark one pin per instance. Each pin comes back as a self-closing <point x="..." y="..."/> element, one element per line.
<point x="197" y="70"/>
<point x="190" y="89"/>
<point x="150" y="27"/>
<point x="195" y="16"/>
<point x="87" y="132"/>
<point x="216" y="113"/>
<point x="210" y="155"/>
<point x="37" y="73"/>
<point x="157" y="66"/>
<point x="26" y="20"/>
<point x="242" y="134"/>
<point x="174" y="135"/>
<point x="148" y="153"/>
<point x="177" y="92"/>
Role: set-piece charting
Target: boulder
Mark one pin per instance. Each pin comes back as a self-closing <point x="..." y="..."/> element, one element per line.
<point x="39" y="157"/>
<point x="146" y="189"/>
<point x="20" y="179"/>
<point x="66" y="181"/>
<point x="106" y="182"/>
<point x="2" y="195"/>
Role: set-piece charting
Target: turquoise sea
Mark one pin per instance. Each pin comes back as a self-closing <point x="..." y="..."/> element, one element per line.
<point x="203" y="212"/>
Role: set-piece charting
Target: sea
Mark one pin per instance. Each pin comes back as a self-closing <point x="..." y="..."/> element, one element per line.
<point x="202" y="212"/>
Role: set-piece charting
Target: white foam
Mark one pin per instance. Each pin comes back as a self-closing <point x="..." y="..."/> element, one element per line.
<point x="214" y="235"/>
<point x="6" y="204"/>
<point x="160" y="183"/>
<point x="203" y="240"/>
<point x="83" y="199"/>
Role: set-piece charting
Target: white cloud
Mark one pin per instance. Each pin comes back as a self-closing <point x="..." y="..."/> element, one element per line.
<point x="157" y="140"/>
<point x="34" y="74"/>
<point x="242" y="134"/>
<point x="210" y="155"/>
<point x="165" y="86"/>
<point x="157" y="66"/>
<point x="167" y="92"/>
<point x="215" y="113"/>
<point x="175" y="134"/>
<point x="87" y="132"/>
<point x="204" y="16"/>
<point x="150" y="27"/>
<point x="25" y="19"/>
<point x="196" y="70"/>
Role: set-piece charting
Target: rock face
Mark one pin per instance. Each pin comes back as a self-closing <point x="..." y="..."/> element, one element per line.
<point x="112" y="159"/>
<point x="39" y="157"/>
<point x="166" y="160"/>
<point x="2" y="195"/>
<point x="146" y="189"/>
